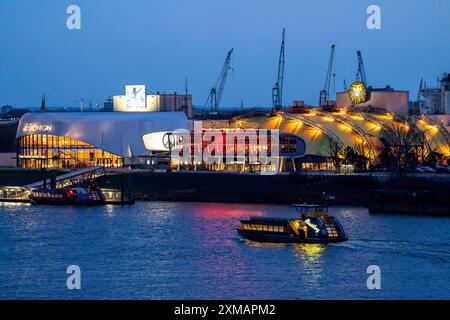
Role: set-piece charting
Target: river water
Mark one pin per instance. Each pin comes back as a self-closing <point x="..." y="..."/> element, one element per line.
<point x="163" y="250"/>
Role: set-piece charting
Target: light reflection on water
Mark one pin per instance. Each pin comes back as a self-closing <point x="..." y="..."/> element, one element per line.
<point x="161" y="250"/>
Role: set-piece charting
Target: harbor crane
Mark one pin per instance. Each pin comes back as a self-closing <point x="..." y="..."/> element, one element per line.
<point x="361" y="74"/>
<point x="325" y="93"/>
<point x="82" y="102"/>
<point x="419" y="92"/>
<point x="215" y="95"/>
<point x="277" y="90"/>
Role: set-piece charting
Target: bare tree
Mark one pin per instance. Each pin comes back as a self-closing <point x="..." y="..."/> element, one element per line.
<point x="335" y="154"/>
<point x="404" y="142"/>
<point x="362" y="161"/>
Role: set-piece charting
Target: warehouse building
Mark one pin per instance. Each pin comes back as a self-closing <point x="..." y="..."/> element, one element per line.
<point x="136" y="99"/>
<point x="379" y="100"/>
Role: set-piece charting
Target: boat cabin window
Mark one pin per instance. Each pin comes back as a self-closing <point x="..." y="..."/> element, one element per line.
<point x="332" y="232"/>
<point x="278" y="229"/>
<point x="263" y="227"/>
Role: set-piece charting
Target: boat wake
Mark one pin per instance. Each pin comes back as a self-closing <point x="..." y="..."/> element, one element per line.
<point x="434" y="251"/>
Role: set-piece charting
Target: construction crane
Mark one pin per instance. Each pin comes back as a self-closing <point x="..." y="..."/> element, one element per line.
<point x="215" y="96"/>
<point x="91" y="103"/>
<point x="277" y="90"/>
<point x="345" y="85"/>
<point x="81" y="101"/>
<point x="334" y="82"/>
<point x="325" y="93"/>
<point x="361" y="74"/>
<point x="417" y="106"/>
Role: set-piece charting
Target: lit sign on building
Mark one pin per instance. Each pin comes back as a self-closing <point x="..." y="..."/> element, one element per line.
<point x="37" y="127"/>
<point x="135" y="97"/>
<point x="357" y="93"/>
<point x="23" y="156"/>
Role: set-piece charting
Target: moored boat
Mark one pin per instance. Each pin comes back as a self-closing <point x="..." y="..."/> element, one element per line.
<point x="314" y="225"/>
<point x="87" y="195"/>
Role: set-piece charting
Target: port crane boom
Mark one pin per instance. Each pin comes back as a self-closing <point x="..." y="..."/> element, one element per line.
<point x="325" y="93"/>
<point x="215" y="95"/>
<point x="277" y="90"/>
<point x="419" y="92"/>
<point x="361" y="74"/>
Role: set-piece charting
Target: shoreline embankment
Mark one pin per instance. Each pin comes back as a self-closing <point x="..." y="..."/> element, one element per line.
<point x="277" y="189"/>
<point x="353" y="189"/>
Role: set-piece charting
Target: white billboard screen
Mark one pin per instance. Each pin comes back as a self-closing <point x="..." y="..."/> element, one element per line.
<point x="135" y="97"/>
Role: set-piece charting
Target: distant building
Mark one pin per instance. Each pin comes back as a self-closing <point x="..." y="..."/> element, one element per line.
<point x="176" y="102"/>
<point x="381" y="100"/>
<point x="6" y="109"/>
<point x="108" y="105"/>
<point x="437" y="100"/>
<point x="14" y="114"/>
<point x="432" y="103"/>
<point x="8" y="131"/>
<point x="445" y="93"/>
<point x="136" y="99"/>
<point x="299" y="107"/>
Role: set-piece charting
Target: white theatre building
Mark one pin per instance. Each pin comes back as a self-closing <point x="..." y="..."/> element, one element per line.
<point x="83" y="139"/>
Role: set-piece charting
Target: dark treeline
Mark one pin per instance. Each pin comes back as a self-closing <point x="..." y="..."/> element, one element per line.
<point x="8" y="136"/>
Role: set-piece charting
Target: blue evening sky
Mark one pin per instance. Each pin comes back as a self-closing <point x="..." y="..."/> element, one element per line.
<point x="160" y="43"/>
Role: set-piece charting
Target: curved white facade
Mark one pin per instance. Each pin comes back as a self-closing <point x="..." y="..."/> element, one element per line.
<point x="120" y="131"/>
<point x="155" y="141"/>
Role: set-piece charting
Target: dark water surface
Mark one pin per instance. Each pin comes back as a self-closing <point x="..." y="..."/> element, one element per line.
<point x="161" y="250"/>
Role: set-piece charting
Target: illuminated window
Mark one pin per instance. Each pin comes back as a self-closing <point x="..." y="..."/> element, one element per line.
<point x="288" y="143"/>
<point x="332" y="232"/>
<point x="47" y="151"/>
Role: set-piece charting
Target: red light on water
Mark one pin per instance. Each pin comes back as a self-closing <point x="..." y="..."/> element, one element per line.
<point x="218" y="210"/>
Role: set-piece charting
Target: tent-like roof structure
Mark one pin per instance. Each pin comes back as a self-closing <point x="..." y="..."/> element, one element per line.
<point x="366" y="133"/>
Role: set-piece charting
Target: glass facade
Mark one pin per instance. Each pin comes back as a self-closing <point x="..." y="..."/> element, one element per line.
<point x="239" y="153"/>
<point x="48" y="151"/>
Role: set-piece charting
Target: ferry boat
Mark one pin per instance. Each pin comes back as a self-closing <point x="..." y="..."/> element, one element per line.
<point x="87" y="195"/>
<point x="313" y="226"/>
